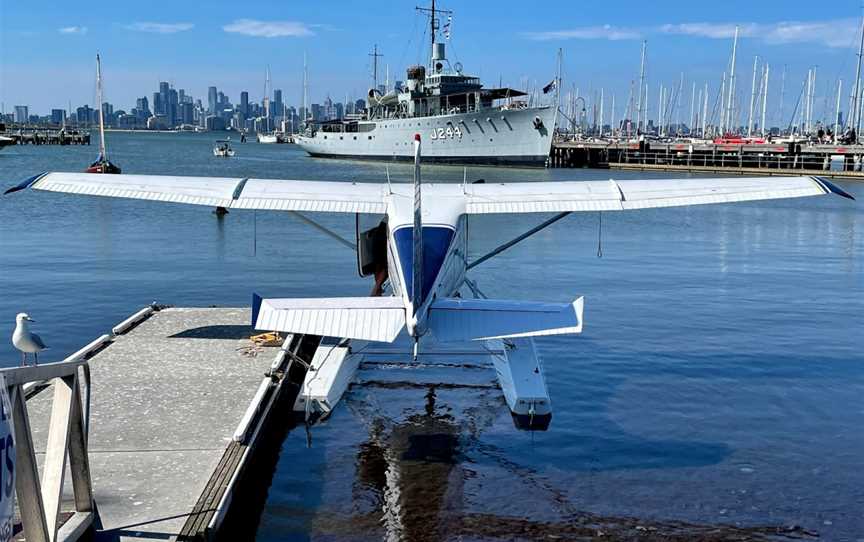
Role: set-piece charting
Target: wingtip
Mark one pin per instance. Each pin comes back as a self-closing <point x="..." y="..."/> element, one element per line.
<point x="833" y="188"/>
<point x="256" y="308"/>
<point x="26" y="183"/>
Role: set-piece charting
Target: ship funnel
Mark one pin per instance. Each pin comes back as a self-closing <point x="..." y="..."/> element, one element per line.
<point x="438" y="52"/>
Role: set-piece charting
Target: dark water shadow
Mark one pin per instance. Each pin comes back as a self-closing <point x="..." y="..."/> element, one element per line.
<point x="227" y="332"/>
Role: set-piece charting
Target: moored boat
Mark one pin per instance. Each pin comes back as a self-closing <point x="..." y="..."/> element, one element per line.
<point x="223" y="148"/>
<point x="102" y="163"/>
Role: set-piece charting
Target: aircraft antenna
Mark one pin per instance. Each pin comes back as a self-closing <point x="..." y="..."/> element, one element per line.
<point x="599" y="234"/>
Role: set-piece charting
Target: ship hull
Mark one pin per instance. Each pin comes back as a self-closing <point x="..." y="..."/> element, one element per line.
<point x="515" y="137"/>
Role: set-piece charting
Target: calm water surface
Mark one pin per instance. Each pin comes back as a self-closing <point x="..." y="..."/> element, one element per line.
<point x="719" y="380"/>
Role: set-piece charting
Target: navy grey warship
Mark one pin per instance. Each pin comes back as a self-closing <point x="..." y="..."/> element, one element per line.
<point x="460" y="121"/>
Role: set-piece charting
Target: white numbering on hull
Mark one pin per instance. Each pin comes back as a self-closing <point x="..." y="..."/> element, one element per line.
<point x="7" y="465"/>
<point x="451" y="132"/>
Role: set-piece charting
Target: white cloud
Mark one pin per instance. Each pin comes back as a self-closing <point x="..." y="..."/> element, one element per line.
<point x="73" y="30"/>
<point x="831" y="33"/>
<point x="160" y="28"/>
<point x="269" y="29"/>
<point x="604" y="32"/>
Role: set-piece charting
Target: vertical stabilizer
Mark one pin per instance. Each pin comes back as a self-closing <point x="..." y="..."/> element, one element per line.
<point x="417" y="263"/>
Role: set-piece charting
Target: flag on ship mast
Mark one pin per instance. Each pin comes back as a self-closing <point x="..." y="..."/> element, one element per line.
<point x="550" y="87"/>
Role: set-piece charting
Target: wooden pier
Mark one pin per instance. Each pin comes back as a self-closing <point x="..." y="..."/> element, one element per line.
<point x="178" y="412"/>
<point x="845" y="161"/>
<point x="47" y="136"/>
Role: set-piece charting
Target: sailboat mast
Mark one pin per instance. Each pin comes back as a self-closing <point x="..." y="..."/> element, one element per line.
<point x="639" y="104"/>
<point x="267" y="98"/>
<point x="305" y="91"/>
<point x="730" y="119"/>
<point x="837" y="111"/>
<point x="752" y="98"/>
<point x="102" y="151"/>
<point x="764" y="102"/>
<point x="856" y="113"/>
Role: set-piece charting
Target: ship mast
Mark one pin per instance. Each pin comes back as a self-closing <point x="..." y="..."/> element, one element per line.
<point x="374" y="54"/>
<point x="102" y="151"/>
<point x="433" y="24"/>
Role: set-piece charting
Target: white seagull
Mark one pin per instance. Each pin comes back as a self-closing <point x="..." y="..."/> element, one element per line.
<point x="24" y="340"/>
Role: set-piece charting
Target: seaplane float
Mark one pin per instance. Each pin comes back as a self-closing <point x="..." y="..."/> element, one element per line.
<point x="418" y="255"/>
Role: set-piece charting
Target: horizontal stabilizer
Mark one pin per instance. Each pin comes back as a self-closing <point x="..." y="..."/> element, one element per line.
<point x="477" y="319"/>
<point x="363" y="318"/>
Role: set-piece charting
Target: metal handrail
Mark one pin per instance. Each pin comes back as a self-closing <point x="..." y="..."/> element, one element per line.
<point x="39" y="500"/>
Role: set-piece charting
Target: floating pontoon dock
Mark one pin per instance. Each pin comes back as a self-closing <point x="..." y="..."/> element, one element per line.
<point x="177" y="409"/>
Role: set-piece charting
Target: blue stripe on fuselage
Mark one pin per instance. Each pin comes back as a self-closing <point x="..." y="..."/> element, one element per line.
<point x="436" y="241"/>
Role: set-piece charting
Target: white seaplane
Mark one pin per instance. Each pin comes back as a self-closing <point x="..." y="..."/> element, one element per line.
<point x="420" y="247"/>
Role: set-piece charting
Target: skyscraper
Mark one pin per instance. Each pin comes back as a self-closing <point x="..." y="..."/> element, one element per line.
<point x="211" y="100"/>
<point x="158" y="107"/>
<point x="163" y="97"/>
<point x="142" y="105"/>
<point x="276" y="108"/>
<point x="172" y="112"/>
<point x="21" y="113"/>
<point x="244" y="104"/>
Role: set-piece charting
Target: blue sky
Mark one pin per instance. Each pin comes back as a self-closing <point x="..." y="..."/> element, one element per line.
<point x="47" y="51"/>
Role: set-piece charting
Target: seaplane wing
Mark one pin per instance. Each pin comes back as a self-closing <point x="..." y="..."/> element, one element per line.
<point x="574" y="196"/>
<point x="358" y="197"/>
<point x="231" y="193"/>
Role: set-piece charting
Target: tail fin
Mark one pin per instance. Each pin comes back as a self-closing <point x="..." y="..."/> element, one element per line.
<point x="417" y="283"/>
<point x="480" y="319"/>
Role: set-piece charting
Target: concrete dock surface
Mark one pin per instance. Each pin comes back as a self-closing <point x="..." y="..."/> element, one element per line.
<point x="166" y="400"/>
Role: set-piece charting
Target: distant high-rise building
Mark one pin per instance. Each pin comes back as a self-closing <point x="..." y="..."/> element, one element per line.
<point x="108" y="113"/>
<point x="244" y="104"/>
<point x="338" y="110"/>
<point x="359" y="105"/>
<point x="21" y="114"/>
<point x="172" y="112"/>
<point x="84" y="115"/>
<point x="58" y="116"/>
<point x="211" y="100"/>
<point x="187" y="113"/>
<point x="181" y="96"/>
<point x="329" y="112"/>
<point x="276" y="107"/>
<point x="158" y="105"/>
<point x="142" y="105"/>
<point x="164" y="89"/>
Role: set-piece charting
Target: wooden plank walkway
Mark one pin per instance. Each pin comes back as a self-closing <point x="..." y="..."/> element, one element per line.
<point x="166" y="400"/>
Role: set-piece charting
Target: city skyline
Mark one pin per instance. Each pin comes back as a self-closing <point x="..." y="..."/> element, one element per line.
<point x="195" y="50"/>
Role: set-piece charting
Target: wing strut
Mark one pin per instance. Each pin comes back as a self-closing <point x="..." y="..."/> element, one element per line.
<point x="515" y="240"/>
<point x="324" y="230"/>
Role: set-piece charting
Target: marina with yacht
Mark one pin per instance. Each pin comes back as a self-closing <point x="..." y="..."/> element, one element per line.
<point x="530" y="310"/>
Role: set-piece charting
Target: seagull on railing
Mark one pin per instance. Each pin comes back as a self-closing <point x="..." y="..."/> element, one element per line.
<point x="26" y="341"/>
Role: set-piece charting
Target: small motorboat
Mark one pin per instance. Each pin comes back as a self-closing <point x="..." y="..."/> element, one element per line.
<point x="223" y="148"/>
<point x="273" y="137"/>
